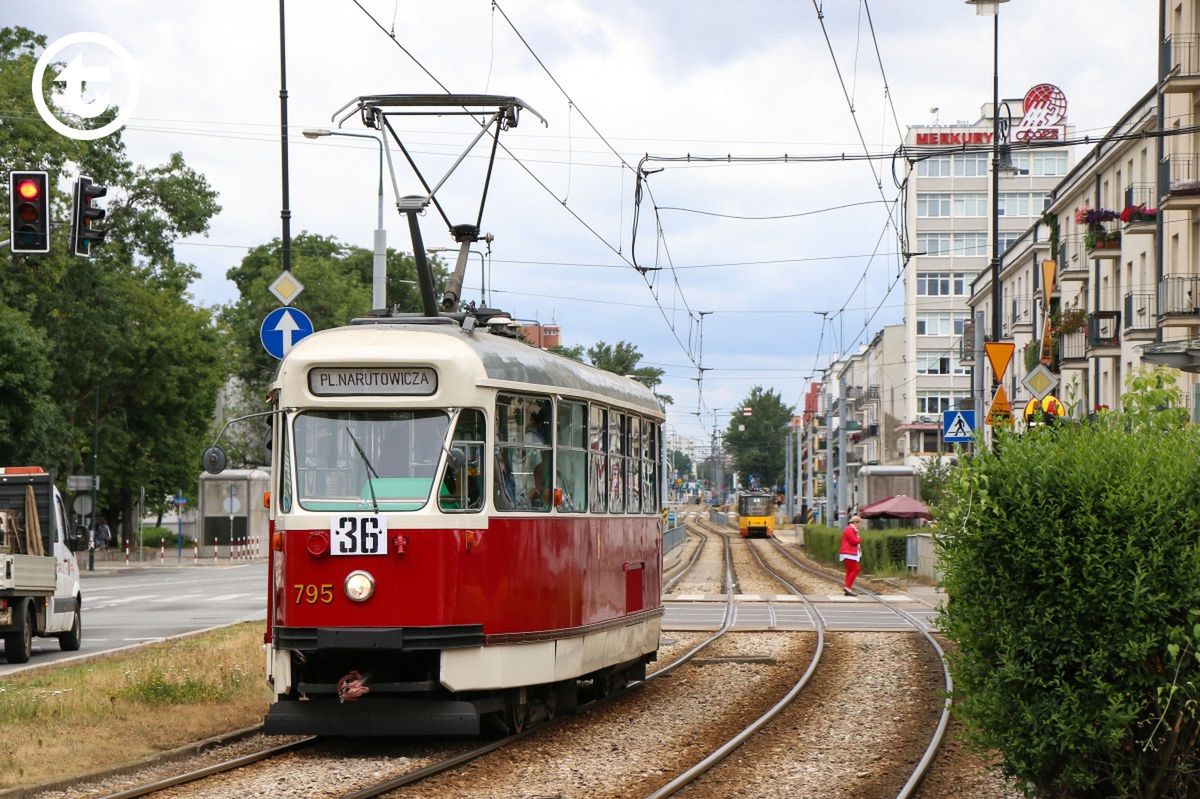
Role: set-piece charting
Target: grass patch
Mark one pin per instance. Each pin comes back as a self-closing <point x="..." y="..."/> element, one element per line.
<point x="108" y="711"/>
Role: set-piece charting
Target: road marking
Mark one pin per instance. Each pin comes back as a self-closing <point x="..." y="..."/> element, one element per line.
<point x="177" y="597"/>
<point x="226" y="597"/>
<point x="109" y="603"/>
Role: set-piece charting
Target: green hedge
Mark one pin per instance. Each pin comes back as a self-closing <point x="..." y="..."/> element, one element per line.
<point x="1071" y="560"/>
<point x="882" y="550"/>
<point x="151" y="536"/>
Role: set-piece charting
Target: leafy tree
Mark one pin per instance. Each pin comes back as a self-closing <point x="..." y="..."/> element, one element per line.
<point x="110" y="347"/>
<point x="574" y="352"/>
<point x="758" y="449"/>
<point x="337" y="288"/>
<point x="934" y="474"/>
<point x="681" y="462"/>
<point x="623" y="358"/>
<point x="1072" y="567"/>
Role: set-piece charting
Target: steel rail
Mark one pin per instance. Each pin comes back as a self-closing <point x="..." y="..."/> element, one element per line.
<point x="716" y="756"/>
<point x="667" y="586"/>
<point x="462" y="757"/>
<point x="208" y="771"/>
<point x="944" y="720"/>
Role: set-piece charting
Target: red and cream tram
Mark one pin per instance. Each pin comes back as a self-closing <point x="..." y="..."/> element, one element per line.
<point x="463" y="527"/>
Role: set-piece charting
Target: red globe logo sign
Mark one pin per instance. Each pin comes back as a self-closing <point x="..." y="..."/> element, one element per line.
<point x="1045" y="107"/>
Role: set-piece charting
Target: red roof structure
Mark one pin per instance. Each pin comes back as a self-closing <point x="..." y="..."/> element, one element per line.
<point x="897" y="507"/>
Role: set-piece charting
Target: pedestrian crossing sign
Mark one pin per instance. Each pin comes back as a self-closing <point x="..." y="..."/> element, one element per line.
<point x="958" y="427"/>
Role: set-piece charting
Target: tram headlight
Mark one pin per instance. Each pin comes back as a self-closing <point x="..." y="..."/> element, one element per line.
<point x="359" y="586"/>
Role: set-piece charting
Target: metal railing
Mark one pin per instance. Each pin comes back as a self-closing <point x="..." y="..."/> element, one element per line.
<point x="1180" y="51"/>
<point x="1179" y="295"/>
<point x="1141" y="194"/>
<point x="673" y="537"/>
<point x="1179" y="174"/>
<point x="1073" y="346"/>
<point x="1104" y="329"/>
<point x="1140" y="311"/>
<point x="1022" y="312"/>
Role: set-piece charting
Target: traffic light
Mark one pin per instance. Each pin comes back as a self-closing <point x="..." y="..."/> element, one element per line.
<point x="84" y="213"/>
<point x="29" y="211"/>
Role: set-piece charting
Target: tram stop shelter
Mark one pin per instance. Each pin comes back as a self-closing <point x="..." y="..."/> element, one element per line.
<point x="231" y="512"/>
<point x="897" y="507"/>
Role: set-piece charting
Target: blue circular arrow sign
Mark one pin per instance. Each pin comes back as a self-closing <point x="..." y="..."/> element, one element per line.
<point x="281" y="329"/>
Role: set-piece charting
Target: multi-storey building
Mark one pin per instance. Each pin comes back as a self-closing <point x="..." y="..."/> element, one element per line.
<point x="948" y="226"/>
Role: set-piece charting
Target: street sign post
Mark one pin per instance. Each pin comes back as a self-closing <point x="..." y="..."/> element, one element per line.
<point x="1039" y="381"/>
<point x="958" y="426"/>
<point x="281" y="329"/>
<point x="999" y="355"/>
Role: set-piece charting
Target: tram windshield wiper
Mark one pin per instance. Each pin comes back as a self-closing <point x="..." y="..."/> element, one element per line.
<point x="370" y="469"/>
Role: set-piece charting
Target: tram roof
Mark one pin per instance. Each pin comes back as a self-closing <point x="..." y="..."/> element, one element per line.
<point x="501" y="357"/>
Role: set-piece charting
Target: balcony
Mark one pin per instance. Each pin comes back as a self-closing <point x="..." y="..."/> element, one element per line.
<point x="1140" y="195"/>
<point x="1022" y="314"/>
<point x="1179" y="181"/>
<point x="872" y="430"/>
<point x="1104" y="333"/>
<point x="1179" y="301"/>
<point x="1141" y="321"/>
<point x="1179" y="63"/>
<point x="1072" y="350"/>
<point x="872" y="394"/>
<point x="1102" y="240"/>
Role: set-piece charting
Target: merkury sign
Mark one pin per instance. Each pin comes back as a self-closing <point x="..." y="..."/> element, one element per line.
<point x="1044" y="109"/>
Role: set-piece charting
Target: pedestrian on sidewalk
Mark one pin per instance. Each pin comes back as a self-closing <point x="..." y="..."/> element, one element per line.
<point x="103" y="535"/>
<point x="851" y="552"/>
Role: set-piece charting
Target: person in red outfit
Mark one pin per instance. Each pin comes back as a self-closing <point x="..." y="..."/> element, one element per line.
<point x="850" y="553"/>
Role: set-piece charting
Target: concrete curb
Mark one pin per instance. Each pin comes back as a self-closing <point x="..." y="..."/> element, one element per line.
<point x="179" y="753"/>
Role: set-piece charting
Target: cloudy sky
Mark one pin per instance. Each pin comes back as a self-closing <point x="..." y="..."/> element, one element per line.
<point x="617" y="80"/>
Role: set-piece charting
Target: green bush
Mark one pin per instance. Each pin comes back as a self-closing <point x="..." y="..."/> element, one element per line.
<point x="1072" y="565"/>
<point x="151" y="536"/>
<point x="883" y="551"/>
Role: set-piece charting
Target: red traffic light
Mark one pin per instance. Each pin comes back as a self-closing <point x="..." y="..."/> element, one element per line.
<point x="29" y="189"/>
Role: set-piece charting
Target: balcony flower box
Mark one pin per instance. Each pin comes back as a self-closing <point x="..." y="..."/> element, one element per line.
<point x="1139" y="213"/>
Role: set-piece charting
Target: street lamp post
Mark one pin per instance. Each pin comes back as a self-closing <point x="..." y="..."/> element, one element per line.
<point x="379" y="259"/>
<point x="983" y="8"/>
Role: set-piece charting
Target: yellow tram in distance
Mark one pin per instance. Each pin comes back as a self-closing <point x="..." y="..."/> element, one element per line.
<point x="756" y="514"/>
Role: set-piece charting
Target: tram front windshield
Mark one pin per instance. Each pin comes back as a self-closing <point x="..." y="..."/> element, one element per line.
<point x="755" y="506"/>
<point x="362" y="460"/>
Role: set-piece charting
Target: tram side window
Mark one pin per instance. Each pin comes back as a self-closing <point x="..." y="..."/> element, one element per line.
<point x="633" y="465"/>
<point x="571" y="455"/>
<point x="616" y="462"/>
<point x="649" y="467"/>
<point x="462" y="488"/>
<point x="524" y="458"/>
<point x="598" y="446"/>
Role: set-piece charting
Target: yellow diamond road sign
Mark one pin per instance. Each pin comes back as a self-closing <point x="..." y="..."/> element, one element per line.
<point x="286" y="288"/>
<point x="1040" y="381"/>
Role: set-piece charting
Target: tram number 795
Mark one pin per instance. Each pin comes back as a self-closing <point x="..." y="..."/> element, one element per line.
<point x="358" y="535"/>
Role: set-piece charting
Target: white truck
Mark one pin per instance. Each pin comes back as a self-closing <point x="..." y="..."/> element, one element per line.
<point x="39" y="579"/>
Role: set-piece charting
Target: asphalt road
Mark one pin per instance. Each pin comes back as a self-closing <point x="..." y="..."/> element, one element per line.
<point x="124" y="607"/>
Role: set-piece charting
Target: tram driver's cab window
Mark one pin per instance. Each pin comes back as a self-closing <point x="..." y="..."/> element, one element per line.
<point x="367" y="460"/>
<point x="462" y="481"/>
<point x="524" y="470"/>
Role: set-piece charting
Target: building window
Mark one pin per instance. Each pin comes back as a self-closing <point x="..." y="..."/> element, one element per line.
<point x="941" y="324"/>
<point x="970" y="165"/>
<point x="941" y="284"/>
<point x="1023" y="203"/>
<point x="930" y="205"/>
<point x="968" y="204"/>
<point x="938" y="401"/>
<point x="933" y="363"/>
<point x="970" y="244"/>
<point x="1051" y="164"/>
<point x="934" y="245"/>
<point x="935" y="167"/>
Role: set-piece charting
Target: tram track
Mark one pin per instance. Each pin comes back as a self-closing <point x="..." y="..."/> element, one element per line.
<point x="719" y="784"/>
<point x="218" y="780"/>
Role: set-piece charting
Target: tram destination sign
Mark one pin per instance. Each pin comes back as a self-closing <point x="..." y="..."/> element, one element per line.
<point x="333" y="381"/>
